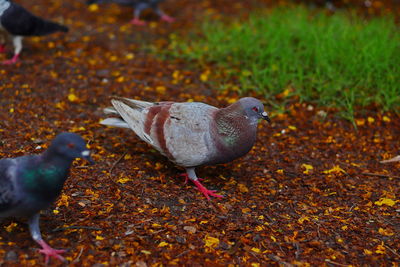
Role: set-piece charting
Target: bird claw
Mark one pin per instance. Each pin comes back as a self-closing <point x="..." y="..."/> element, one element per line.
<point x="51" y="252"/>
<point x="138" y="22"/>
<point x="11" y="61"/>
<point x="207" y="193"/>
<point x="167" y="18"/>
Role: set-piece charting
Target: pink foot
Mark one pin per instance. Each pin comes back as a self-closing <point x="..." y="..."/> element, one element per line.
<point x="2" y="48"/>
<point x="50" y="252"/>
<point x="11" y="61"/>
<point x="205" y="191"/>
<point x="138" y="22"/>
<point x="167" y="18"/>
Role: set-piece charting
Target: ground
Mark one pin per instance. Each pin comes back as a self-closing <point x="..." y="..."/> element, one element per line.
<point x="311" y="191"/>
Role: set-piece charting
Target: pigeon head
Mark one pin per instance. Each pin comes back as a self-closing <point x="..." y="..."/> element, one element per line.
<point x="71" y="146"/>
<point x="254" y="109"/>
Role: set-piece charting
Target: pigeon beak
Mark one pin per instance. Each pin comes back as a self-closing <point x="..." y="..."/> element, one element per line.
<point x="264" y="116"/>
<point x="86" y="155"/>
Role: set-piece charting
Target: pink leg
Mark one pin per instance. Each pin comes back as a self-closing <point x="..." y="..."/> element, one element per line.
<point x="187" y="177"/>
<point x="138" y="22"/>
<point x="50" y="252"/>
<point x="167" y="18"/>
<point x="13" y="60"/>
<point x="2" y="48"/>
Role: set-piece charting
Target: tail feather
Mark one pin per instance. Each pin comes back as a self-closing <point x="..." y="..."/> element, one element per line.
<point x="131" y="112"/>
<point x="44" y="27"/>
<point x="135" y="104"/>
<point x="116" y="122"/>
<point x="110" y="110"/>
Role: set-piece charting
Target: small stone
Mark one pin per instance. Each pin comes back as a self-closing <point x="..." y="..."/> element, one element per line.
<point x="180" y="240"/>
<point x="11" y="256"/>
<point x="141" y="264"/>
<point x="190" y="229"/>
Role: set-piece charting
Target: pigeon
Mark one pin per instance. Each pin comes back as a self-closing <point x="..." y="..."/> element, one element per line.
<point x="191" y="134"/>
<point x="18" y="22"/>
<point x="395" y="159"/>
<point x="31" y="183"/>
<point x="139" y="6"/>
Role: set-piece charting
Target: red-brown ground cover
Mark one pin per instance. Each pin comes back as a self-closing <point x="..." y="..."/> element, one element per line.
<point x="307" y="194"/>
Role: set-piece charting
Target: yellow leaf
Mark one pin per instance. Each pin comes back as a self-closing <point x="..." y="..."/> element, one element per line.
<point x="204" y="76"/>
<point x="335" y="169"/>
<point x="60" y="105"/>
<point x="72" y="97"/>
<point x="246" y="210"/>
<point x="344" y="227"/>
<point x="273" y="238"/>
<point x="11" y="110"/>
<point x="367" y="252"/>
<point x="211" y="242"/>
<point x="243" y="188"/>
<point x="63" y="201"/>
<point x="307" y="168"/>
<point x="303" y="218"/>
<point x="10" y="227"/>
<point x="386" y="119"/>
<point x="161" y="89"/>
<point x="123" y="180"/>
<point x="370" y="120"/>
<point x="257" y="250"/>
<point x="385" y="201"/>
<point x="291" y="127"/>
<point x="255" y="264"/>
<point x="130" y="56"/>
<point x="93" y="8"/>
<point x="56" y="212"/>
<point x="387" y="232"/>
<point x="360" y="122"/>
<point x="127" y="156"/>
<point x="280" y="171"/>
<point x="145" y="252"/>
<point x="380" y="249"/>
<point x="163" y="244"/>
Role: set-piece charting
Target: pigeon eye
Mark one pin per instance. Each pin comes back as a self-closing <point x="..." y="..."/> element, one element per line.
<point x="255" y="109"/>
<point x="70" y="145"/>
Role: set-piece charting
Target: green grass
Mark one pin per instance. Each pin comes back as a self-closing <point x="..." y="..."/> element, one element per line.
<point x="339" y="61"/>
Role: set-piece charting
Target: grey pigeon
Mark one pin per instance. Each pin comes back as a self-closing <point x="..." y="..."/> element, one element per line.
<point x="29" y="184"/>
<point x="139" y="6"/>
<point x="191" y="134"/>
<point x="18" y="22"/>
<point x="395" y="159"/>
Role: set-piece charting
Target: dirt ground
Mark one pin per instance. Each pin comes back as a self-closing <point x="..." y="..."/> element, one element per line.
<point x="311" y="191"/>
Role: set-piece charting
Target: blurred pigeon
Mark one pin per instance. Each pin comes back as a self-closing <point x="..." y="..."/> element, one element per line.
<point x="395" y="159"/>
<point x="29" y="184"/>
<point x="139" y="6"/>
<point x="18" y="22"/>
<point x="191" y="134"/>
